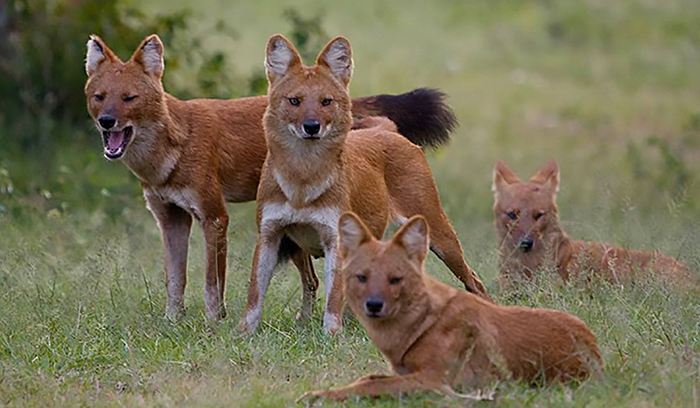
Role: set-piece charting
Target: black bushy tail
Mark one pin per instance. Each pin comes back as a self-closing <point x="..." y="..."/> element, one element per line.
<point x="421" y="115"/>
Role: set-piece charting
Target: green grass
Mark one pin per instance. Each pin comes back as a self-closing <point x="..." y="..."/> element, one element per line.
<point x="609" y="89"/>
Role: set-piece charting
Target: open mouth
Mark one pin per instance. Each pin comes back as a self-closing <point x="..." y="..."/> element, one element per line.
<point x="309" y="137"/>
<point x="116" y="141"/>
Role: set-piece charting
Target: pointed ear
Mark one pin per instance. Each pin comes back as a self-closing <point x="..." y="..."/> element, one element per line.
<point x="150" y="56"/>
<point x="97" y="53"/>
<point x="337" y="56"/>
<point x="413" y="237"/>
<point x="280" y="57"/>
<point x="352" y="233"/>
<point x="502" y="176"/>
<point x="548" y="176"/>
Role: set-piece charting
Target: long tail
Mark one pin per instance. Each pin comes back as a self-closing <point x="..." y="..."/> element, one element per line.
<point x="421" y="115"/>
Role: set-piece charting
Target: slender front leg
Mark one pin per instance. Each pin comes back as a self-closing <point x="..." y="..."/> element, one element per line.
<point x="175" y="225"/>
<point x="377" y="385"/>
<point x="332" y="317"/>
<point x="214" y="227"/>
<point x="265" y="259"/>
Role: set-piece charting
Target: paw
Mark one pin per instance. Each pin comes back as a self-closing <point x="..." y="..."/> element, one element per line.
<point x="332" y="324"/>
<point x="243" y="327"/>
<point x="303" y="316"/>
<point x="246" y="327"/>
<point x="174" y="313"/>
<point x="215" y="314"/>
<point x="311" y="397"/>
<point x="214" y="307"/>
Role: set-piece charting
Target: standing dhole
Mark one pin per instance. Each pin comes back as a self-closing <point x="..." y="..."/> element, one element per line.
<point x="438" y="338"/>
<point x="316" y="169"/>
<point x="527" y="222"/>
<point x="193" y="156"/>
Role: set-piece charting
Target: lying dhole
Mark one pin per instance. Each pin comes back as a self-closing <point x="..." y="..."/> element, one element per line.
<point x="438" y="338"/>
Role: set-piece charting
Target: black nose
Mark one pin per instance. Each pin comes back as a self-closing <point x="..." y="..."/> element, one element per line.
<point x="311" y="126"/>
<point x="526" y="244"/>
<point x="374" y="306"/>
<point x="106" y="121"/>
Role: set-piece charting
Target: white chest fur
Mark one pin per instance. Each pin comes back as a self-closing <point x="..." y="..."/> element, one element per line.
<point x="307" y="193"/>
<point x="185" y="198"/>
<point x="323" y="223"/>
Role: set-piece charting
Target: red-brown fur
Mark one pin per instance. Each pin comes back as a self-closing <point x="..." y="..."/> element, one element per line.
<point x="438" y="338"/>
<point x="190" y="156"/>
<point x="308" y="180"/>
<point x="533" y="205"/>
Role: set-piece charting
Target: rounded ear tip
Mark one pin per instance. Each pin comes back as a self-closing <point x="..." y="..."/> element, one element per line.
<point x="347" y="216"/>
<point x="94" y="39"/>
<point x="154" y="38"/>
<point x="419" y="221"/>
<point x="341" y="41"/>
<point x="342" y="38"/>
<point x="276" y="39"/>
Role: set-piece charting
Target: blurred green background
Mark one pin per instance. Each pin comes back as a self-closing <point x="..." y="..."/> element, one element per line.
<point x="610" y="89"/>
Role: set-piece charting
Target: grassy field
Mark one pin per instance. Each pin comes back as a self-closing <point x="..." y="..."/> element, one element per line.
<point x="609" y="89"/>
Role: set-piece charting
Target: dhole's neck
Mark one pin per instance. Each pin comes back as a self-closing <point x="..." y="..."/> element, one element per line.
<point x="155" y="151"/>
<point x="562" y="248"/>
<point x="557" y="243"/>
<point x="305" y="169"/>
<point x="395" y="337"/>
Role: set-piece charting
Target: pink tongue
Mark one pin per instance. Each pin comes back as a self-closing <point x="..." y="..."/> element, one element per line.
<point x="115" y="140"/>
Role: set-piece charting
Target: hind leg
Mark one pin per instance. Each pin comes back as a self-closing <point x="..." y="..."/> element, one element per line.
<point x="414" y="192"/>
<point x="444" y="244"/>
<point x="309" y="283"/>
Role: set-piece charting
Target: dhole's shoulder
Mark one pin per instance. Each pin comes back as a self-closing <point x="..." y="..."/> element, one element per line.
<point x="255" y="104"/>
<point x="455" y="304"/>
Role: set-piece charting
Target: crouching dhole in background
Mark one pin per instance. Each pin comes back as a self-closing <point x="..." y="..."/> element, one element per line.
<point x="530" y="236"/>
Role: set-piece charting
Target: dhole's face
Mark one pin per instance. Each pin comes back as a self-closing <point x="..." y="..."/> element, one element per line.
<point x="124" y="98"/>
<point x="121" y="99"/>
<point x="382" y="278"/>
<point x="379" y="279"/>
<point x="524" y="213"/>
<point x="310" y="105"/>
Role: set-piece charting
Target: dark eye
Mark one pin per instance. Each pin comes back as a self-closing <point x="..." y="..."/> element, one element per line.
<point x="395" y="280"/>
<point x="361" y="278"/>
<point x="512" y="215"/>
<point x="129" y="98"/>
<point x="295" y="101"/>
<point x="326" y="101"/>
<point x="538" y="215"/>
<point x="99" y="97"/>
